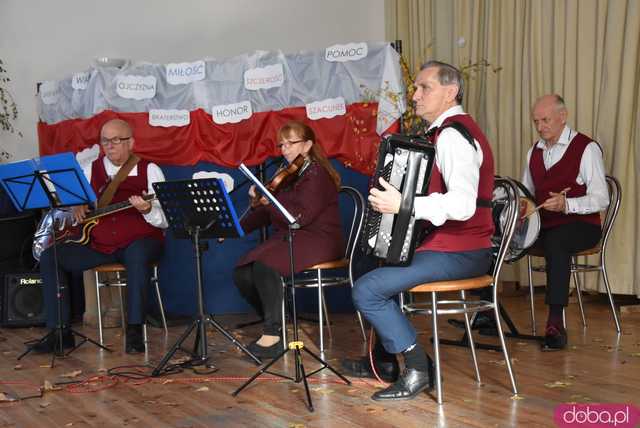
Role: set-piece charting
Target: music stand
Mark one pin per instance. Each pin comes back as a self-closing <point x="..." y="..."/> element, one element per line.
<point x="49" y="182"/>
<point x="297" y="345"/>
<point x="199" y="209"/>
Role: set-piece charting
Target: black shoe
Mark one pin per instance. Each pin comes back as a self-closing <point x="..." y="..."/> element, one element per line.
<point x="51" y="344"/>
<point x="265" y="352"/>
<point x="555" y="339"/>
<point x="411" y="383"/>
<point x="484" y="322"/>
<point x="361" y="367"/>
<point x="135" y="339"/>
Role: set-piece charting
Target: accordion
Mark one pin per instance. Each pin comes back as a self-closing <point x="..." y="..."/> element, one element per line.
<point x="406" y="163"/>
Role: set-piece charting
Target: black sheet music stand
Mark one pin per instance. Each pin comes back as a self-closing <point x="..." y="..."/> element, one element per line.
<point x="296" y="345"/>
<point x="196" y="210"/>
<point x="49" y="182"/>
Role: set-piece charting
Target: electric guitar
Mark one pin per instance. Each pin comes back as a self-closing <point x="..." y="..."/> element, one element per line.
<point x="61" y="225"/>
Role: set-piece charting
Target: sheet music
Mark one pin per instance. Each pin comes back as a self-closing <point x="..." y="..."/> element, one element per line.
<point x="267" y="193"/>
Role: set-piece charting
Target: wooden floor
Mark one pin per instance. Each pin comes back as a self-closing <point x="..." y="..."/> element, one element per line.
<point x="598" y="366"/>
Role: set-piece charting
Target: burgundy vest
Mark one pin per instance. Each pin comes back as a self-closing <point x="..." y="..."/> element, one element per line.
<point x="474" y="233"/>
<point x="561" y="175"/>
<point x="120" y="229"/>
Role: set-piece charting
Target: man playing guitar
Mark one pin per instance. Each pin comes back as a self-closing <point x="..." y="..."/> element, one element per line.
<point x="132" y="237"/>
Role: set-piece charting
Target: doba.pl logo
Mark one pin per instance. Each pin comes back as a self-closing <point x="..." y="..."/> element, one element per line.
<point x="597" y="415"/>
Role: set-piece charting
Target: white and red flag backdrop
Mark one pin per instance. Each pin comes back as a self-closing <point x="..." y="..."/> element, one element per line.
<point x="228" y="111"/>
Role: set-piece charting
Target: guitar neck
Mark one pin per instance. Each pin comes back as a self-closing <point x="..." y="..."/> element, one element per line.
<point x="110" y="209"/>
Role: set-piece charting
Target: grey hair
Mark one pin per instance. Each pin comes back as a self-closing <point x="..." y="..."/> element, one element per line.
<point x="559" y="102"/>
<point x="447" y="75"/>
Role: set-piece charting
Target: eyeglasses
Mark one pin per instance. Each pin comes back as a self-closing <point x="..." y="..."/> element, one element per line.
<point x="116" y="141"/>
<point x="288" y="144"/>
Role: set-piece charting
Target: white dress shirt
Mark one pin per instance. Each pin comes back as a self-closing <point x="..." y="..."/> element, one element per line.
<point x="591" y="173"/>
<point x="459" y="165"/>
<point x="155" y="217"/>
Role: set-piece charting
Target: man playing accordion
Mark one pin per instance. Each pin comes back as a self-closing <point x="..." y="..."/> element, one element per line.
<point x="457" y="205"/>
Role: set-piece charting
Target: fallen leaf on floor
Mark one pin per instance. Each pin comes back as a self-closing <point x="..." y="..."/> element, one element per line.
<point x="170" y="404"/>
<point x="202" y="389"/>
<point x="635" y="354"/>
<point x="502" y="362"/>
<point x="517" y="397"/>
<point x="557" y="384"/>
<point x="352" y="391"/>
<point x="48" y="386"/>
<point x="598" y="339"/>
<point x="5" y="398"/>
<point x="72" y="374"/>
<point x="323" y="391"/>
<point x="45" y="366"/>
<point x="69" y="424"/>
<point x="294" y="425"/>
<point x="17" y="367"/>
<point x="45" y="404"/>
<point x="167" y="381"/>
<point x="579" y="398"/>
<point x="102" y="370"/>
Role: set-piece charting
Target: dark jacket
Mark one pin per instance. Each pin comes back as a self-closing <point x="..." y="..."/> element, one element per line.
<point x="313" y="201"/>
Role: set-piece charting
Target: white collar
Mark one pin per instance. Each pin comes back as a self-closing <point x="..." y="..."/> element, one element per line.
<point x="564" y="139"/>
<point x="112" y="169"/>
<point x="452" y="111"/>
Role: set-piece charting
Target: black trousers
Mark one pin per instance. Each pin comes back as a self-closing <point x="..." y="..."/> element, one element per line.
<point x="261" y="287"/>
<point x="137" y="258"/>
<point x="558" y="244"/>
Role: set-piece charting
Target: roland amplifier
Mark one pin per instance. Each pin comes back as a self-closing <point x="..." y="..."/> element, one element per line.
<point x="22" y="300"/>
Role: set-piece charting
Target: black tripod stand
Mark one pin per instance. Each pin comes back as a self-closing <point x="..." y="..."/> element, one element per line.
<point x="197" y="209"/>
<point x="50" y="182"/>
<point x="296" y="346"/>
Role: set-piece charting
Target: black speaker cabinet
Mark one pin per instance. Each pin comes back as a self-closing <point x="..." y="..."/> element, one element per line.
<point x="22" y="300"/>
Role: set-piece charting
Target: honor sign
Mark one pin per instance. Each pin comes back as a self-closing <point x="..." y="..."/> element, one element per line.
<point x="168" y="118"/>
<point x="271" y="76"/>
<point x="185" y="72"/>
<point x="231" y="113"/>
<point x="136" y="87"/>
<point x="326" y="109"/>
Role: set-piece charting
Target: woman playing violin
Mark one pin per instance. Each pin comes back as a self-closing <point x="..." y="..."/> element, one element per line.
<point x="312" y="198"/>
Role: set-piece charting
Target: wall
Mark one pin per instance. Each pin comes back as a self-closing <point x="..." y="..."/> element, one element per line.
<point x="45" y="40"/>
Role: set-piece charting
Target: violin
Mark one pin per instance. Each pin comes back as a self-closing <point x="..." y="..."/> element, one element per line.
<point x="283" y="178"/>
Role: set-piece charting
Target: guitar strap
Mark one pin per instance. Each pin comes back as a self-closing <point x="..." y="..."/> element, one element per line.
<point x="112" y="187"/>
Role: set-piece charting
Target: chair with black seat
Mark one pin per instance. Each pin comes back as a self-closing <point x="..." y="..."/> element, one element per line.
<point x="118" y="279"/>
<point x="609" y="216"/>
<point x="324" y="274"/>
<point x="466" y="306"/>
